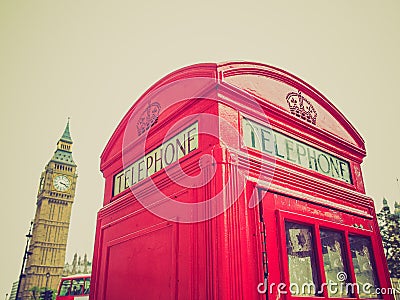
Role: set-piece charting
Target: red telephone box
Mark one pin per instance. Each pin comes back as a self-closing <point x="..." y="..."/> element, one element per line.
<point x="236" y="181"/>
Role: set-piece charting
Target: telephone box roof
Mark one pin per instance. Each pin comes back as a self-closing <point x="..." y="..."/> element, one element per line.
<point x="262" y="82"/>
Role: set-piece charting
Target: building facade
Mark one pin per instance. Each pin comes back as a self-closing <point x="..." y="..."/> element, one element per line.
<point x="56" y="193"/>
<point x="78" y="265"/>
<point x="13" y="293"/>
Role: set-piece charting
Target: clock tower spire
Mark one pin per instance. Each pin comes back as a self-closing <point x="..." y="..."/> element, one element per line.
<point x="55" y="197"/>
<point x="63" y="154"/>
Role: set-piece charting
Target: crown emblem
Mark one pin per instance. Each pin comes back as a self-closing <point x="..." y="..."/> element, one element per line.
<point x="149" y="117"/>
<point x="301" y="107"/>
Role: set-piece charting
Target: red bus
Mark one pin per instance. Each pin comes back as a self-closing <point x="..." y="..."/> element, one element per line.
<point x="74" y="287"/>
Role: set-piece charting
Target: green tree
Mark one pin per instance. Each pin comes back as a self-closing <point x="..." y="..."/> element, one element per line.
<point x="36" y="291"/>
<point x="389" y="224"/>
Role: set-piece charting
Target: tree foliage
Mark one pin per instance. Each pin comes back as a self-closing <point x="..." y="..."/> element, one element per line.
<point x="36" y="291"/>
<point x="389" y="224"/>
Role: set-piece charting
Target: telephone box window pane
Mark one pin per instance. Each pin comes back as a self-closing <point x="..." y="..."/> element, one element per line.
<point x="364" y="266"/>
<point x="336" y="273"/>
<point x="302" y="263"/>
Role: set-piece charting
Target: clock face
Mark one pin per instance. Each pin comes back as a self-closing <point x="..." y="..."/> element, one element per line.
<point x="61" y="183"/>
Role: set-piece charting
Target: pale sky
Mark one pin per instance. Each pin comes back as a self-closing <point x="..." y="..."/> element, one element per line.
<point x="90" y="60"/>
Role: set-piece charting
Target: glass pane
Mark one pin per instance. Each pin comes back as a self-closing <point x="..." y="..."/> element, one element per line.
<point x="364" y="266"/>
<point x="87" y="286"/>
<point x="335" y="267"/>
<point x="65" y="288"/>
<point x="77" y="286"/>
<point x="302" y="265"/>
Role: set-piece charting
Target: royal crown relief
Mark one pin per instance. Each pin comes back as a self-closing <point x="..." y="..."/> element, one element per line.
<point x="148" y="118"/>
<point x="301" y="107"/>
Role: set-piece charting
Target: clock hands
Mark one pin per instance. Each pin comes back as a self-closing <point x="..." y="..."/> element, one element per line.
<point x="61" y="183"/>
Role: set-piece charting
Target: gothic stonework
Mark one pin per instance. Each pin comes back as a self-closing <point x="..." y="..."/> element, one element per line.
<point x="51" y="224"/>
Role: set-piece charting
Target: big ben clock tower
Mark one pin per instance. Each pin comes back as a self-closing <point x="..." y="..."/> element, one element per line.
<point x="51" y="224"/>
